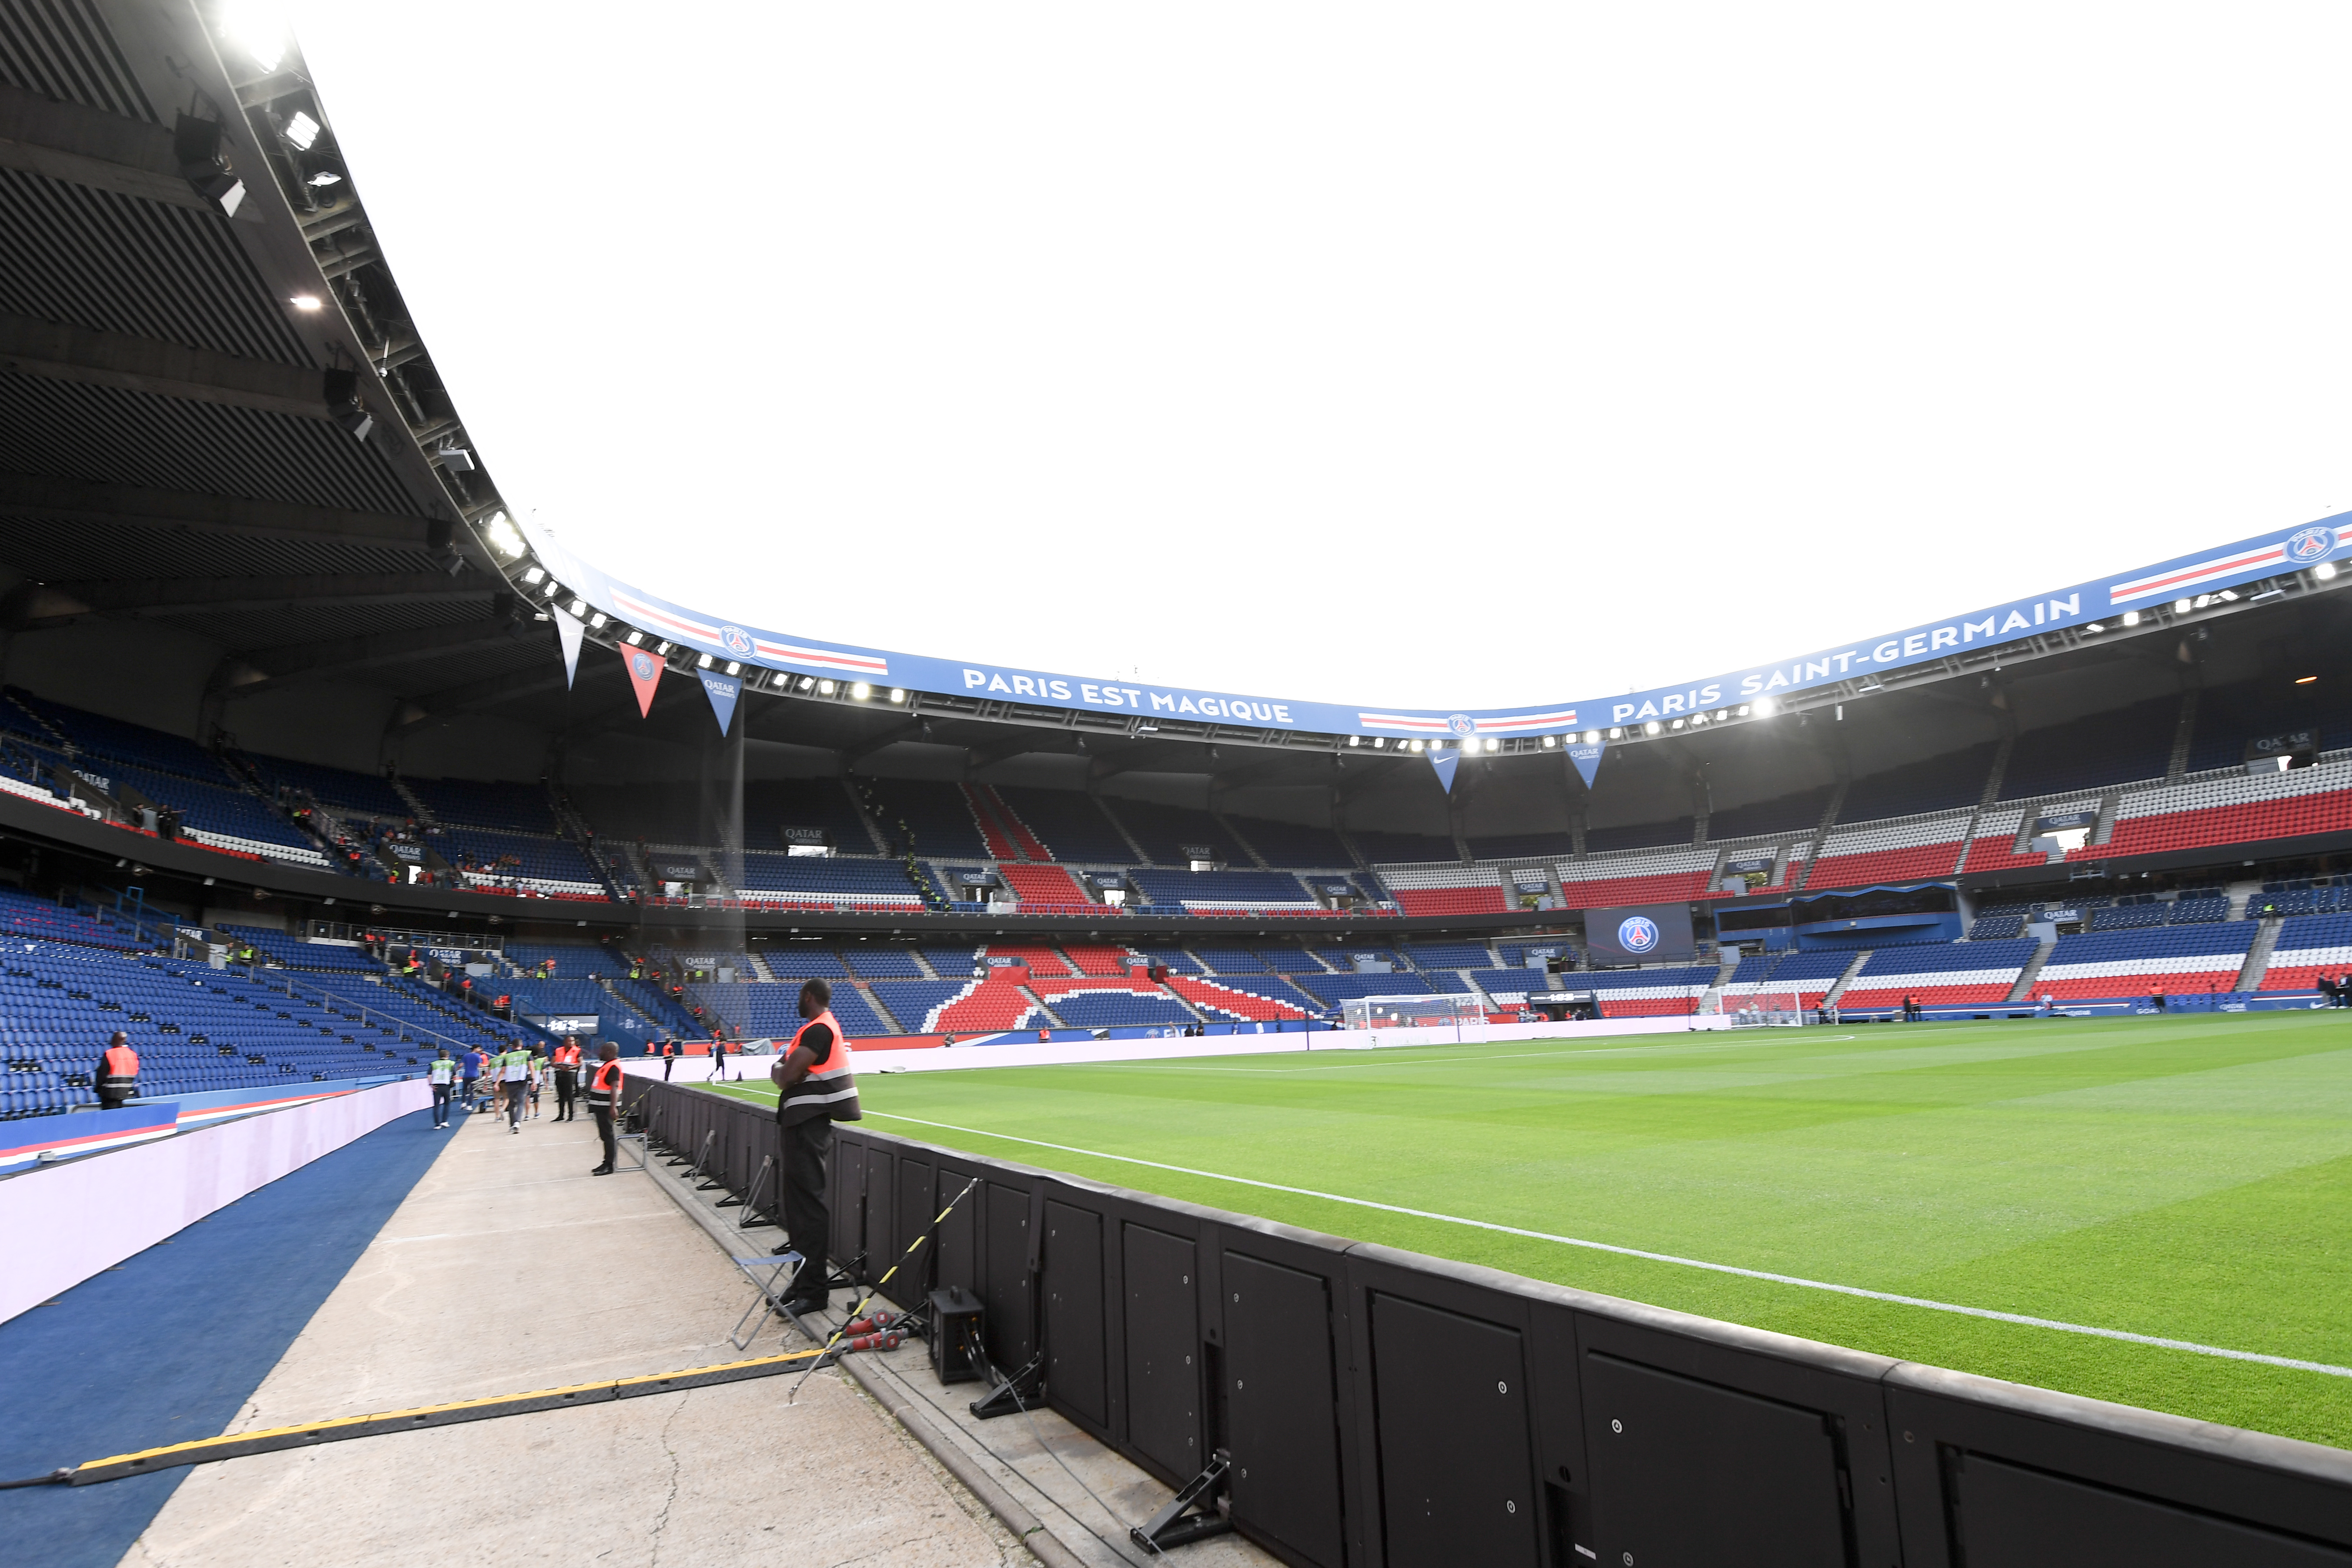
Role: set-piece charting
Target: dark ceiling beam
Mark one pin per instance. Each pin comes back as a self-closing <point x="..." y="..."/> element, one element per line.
<point x="1360" y="775"/>
<point x="90" y="147"/>
<point x="57" y="601"/>
<point x="182" y="511"/>
<point x="451" y="701"/>
<point x="269" y="670"/>
<point x="1146" y="757"/>
<point x="1248" y="773"/>
<point x="61" y="353"/>
<point x="1017" y="744"/>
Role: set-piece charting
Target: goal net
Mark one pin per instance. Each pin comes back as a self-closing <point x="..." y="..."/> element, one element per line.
<point x="1766" y="1010"/>
<point x="1409" y="1012"/>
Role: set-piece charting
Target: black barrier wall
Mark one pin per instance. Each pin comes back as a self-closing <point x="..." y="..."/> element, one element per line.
<point x="1387" y="1410"/>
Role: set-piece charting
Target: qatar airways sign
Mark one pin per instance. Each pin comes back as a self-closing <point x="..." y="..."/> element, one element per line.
<point x="2216" y="571"/>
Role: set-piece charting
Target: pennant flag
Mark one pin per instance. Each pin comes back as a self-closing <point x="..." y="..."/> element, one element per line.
<point x="644" y="674"/>
<point x="1444" y="761"/>
<point x="722" y="690"/>
<point x="568" y="632"/>
<point x="1587" y="759"/>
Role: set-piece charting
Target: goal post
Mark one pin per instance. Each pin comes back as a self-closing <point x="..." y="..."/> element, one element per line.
<point x="1446" y="1012"/>
<point x="1766" y="1010"/>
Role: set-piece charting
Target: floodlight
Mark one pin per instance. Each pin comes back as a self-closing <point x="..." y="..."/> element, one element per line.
<point x="2305" y="680"/>
<point x="258" y="27"/>
<point x="1652" y="727"/>
<point x="1494" y="745"/>
<point x="734" y="667"/>
<point x="324" y="178"/>
<point x="861" y="691"/>
<point x="703" y="663"/>
<point x="1766" y="706"/>
<point x="1419" y="745"/>
<point x="302" y="131"/>
<point x="456" y="460"/>
<point x="1593" y="737"/>
<point x="2325" y="571"/>
<point x="535" y="577"/>
<point x="307" y="303"/>
<point x="578" y="608"/>
<point x="2095" y="627"/>
<point x="636" y="639"/>
<point x="2131" y="617"/>
<point x="2180" y="606"/>
<point x="1743" y="710"/>
<point x="2228" y="596"/>
<point x="1354" y="740"/>
<point x="898" y="694"/>
<point x="596" y="622"/>
<point x="1678" y="724"/>
<point x="505" y="537"/>
<point x="808" y="683"/>
<point x="1549" y="741"/>
<point x="825" y="688"/>
<point x="662" y="649"/>
<point x="1616" y="735"/>
<point x="196" y="144"/>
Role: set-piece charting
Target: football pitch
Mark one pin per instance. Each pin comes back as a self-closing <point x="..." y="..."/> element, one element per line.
<point x="1892" y="1188"/>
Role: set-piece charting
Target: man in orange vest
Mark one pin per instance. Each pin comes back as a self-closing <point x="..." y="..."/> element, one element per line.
<point x="118" y="1072"/>
<point x="606" y="1086"/>
<point x="567" y="1077"/>
<point x="817" y="1091"/>
<point x="669" y="1057"/>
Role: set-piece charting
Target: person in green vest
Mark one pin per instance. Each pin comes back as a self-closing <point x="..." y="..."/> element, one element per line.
<point x="444" y="1074"/>
<point x="514" y="1083"/>
<point x="538" y="1077"/>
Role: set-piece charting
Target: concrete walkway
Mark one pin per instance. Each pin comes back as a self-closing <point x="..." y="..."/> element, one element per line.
<point x="509" y="1268"/>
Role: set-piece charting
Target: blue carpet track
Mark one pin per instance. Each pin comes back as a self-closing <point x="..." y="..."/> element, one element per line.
<point x="170" y="1345"/>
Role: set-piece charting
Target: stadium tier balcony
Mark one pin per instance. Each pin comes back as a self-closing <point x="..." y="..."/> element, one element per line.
<point x="809" y="961"/>
<point x="1992" y="928"/>
<point x="1042" y="889"/>
<point x="1994" y="846"/>
<point x="1798" y="812"/>
<point x="771" y="806"/>
<point x="494" y="862"/>
<point x="2230" y="716"/>
<point x="1642" y="877"/>
<point x="2232" y="809"/>
<point x="2115" y="747"/>
<point x="1210" y="892"/>
<point x="1515" y="954"/>
<point x="1178" y="961"/>
<point x="474" y="803"/>
<point x="573" y="960"/>
<point x="111" y="738"/>
<point x="1447" y="954"/>
<point x="1908" y="851"/>
<point x="340" y="790"/>
<point x="2294" y="900"/>
<point x="2308" y="947"/>
<point x="1241" y="999"/>
<point x="1938" y="974"/>
<point x="936" y="814"/>
<point x="826" y="881"/>
<point x="1068" y="824"/>
<point x="293" y="952"/>
<point x="1445" y="888"/>
<point x="869" y="963"/>
<point x="2170" y="958"/>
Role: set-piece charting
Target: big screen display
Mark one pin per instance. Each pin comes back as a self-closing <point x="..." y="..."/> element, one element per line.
<point x="1639" y="933"/>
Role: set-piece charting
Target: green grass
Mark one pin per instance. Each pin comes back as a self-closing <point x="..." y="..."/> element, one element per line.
<point x="2189" y="1179"/>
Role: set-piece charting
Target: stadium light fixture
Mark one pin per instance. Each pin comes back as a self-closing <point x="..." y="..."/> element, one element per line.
<point x="1696" y="720"/>
<point x="302" y="130"/>
<point x="1378" y="742"/>
<point x="1549" y="741"/>
<point x="705" y="662"/>
<point x="636" y="639"/>
<point x="898" y="694"/>
<point x="734" y="667"/>
<point x="1616" y="735"/>
<point x="579" y="608"/>
<point x="2180" y="606"/>
<point x="504" y="536"/>
<point x="323" y="178"/>
<point x="596" y="622"/>
<point x="2095" y="627"/>
<point x="824" y="688"/>
<point x="258" y="27"/>
<point x="2325" y="571"/>
<point x="1678" y="724"/>
<point x="1354" y="740"/>
<point x="861" y="691"/>
<point x="2305" y="680"/>
<point x="307" y="303"/>
<point x="2131" y="617"/>
<point x="2228" y="596"/>
<point x="1421" y="745"/>
<point x="1493" y="744"/>
<point x="535" y="577"/>
<point x="1593" y="737"/>
<point x="1766" y="706"/>
<point x="662" y="649"/>
<point x="1652" y="727"/>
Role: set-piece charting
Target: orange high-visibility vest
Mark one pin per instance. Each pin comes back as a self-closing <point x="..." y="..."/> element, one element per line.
<point x="567" y="1056"/>
<point x="829" y="1088"/>
<point x="604" y="1087"/>
<point x="119" y="1067"/>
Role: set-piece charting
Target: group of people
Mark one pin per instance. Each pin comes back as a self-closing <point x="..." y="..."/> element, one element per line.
<point x="515" y="1077"/>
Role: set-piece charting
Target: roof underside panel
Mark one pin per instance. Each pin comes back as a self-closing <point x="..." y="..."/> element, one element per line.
<point x="313" y="621"/>
<point x="57" y="549"/>
<point x="60" y="49"/>
<point x="107" y="436"/>
<point x="118" y="263"/>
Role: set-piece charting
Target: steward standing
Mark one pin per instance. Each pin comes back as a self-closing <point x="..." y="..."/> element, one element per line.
<point x="118" y="1072"/>
<point x="567" y="1077"/>
<point x="818" y="1090"/>
<point x="445" y="1084"/>
<point x="604" y="1087"/>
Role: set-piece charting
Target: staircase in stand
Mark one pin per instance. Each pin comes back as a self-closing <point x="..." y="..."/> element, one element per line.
<point x="2032" y="972"/>
<point x="2258" y="958"/>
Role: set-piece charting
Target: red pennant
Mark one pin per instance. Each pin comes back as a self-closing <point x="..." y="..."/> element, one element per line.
<point x="644" y="674"/>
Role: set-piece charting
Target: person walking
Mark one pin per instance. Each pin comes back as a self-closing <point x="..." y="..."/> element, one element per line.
<point x="718" y="1060"/>
<point x="118" y="1072"/>
<point x="567" y="1077"/>
<point x="514" y="1083"/>
<point x="669" y="1057"/>
<point x="469" y="1073"/>
<point x="538" y="1078"/>
<point x="444" y="1083"/>
<point x="818" y="1090"/>
<point x="604" y="1087"/>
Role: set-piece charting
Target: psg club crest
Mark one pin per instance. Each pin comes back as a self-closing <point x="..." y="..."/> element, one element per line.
<point x="1637" y="933"/>
<point x="2311" y="545"/>
<point x="641" y="664"/>
<point x="735" y="641"/>
<point x="1462" y="724"/>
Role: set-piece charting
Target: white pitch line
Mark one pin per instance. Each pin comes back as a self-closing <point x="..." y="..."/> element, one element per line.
<point x="2189" y="1345"/>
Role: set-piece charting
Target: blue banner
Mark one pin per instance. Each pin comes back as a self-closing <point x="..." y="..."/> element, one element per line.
<point x="2096" y="606"/>
<point x="1585" y="756"/>
<point x="722" y="690"/>
<point x="1444" y="762"/>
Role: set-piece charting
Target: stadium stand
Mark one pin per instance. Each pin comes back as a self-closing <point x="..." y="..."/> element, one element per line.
<point x="1203" y="892"/>
<point x="1993" y="848"/>
<point x="771" y="1011"/>
<point x="1798" y="812"/>
<point x="1946" y="782"/>
<point x="112" y="738"/>
<point x="1675" y="832"/>
<point x="869" y="963"/>
<point x="471" y="802"/>
<point x="826" y="881"/>
<point x="1167" y="832"/>
<point x="1524" y="846"/>
<point x="808" y="961"/>
<point x="1293" y="844"/>
<point x="1938" y="974"/>
<point x="1043" y="887"/>
<point x="2136" y="963"/>
<point x="2230" y="716"/>
<point x="1445" y="889"/>
<point x="337" y="789"/>
<point x="771" y="806"/>
<point x="1992" y="928"/>
<point x="2232" y="809"/>
<point x="1067" y="824"/>
<point x="1910" y="850"/>
<point x="1116" y="1009"/>
<point x="1038" y="960"/>
<point x="1644" y="876"/>
<point x="1264" y="996"/>
<point x="933" y="819"/>
<point x="515" y="860"/>
<point x="1812" y="975"/>
<point x="2118" y="746"/>
<point x="2308" y="947"/>
<point x="1447" y="954"/>
<point x="1178" y="961"/>
<point x="1382" y="847"/>
<point x="1101" y="959"/>
<point x="916" y="1004"/>
<point x="1648" y="993"/>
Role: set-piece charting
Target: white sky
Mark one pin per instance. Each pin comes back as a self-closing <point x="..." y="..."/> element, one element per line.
<point x="1460" y="355"/>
